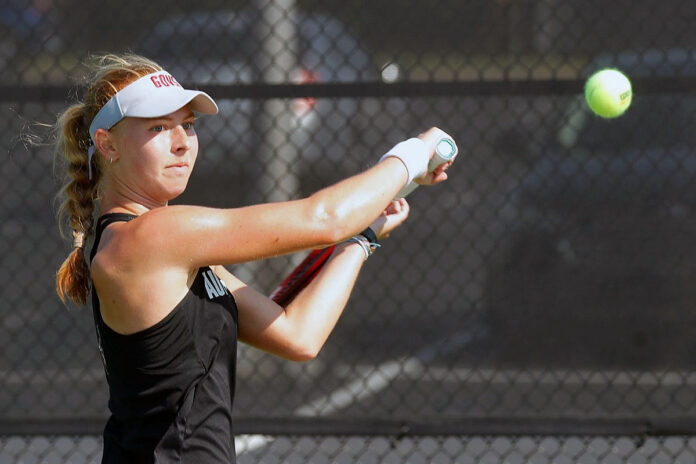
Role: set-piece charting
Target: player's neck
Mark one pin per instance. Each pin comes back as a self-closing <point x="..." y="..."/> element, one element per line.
<point x="113" y="202"/>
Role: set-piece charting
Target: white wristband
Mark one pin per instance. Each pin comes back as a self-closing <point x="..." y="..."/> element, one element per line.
<point x="413" y="153"/>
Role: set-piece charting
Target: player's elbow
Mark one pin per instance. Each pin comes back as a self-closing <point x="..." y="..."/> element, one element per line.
<point x="305" y="356"/>
<point x="307" y="343"/>
<point x="331" y="223"/>
<point x="304" y="351"/>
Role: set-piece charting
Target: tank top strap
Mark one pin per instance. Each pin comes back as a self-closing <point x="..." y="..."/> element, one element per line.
<point x="102" y="223"/>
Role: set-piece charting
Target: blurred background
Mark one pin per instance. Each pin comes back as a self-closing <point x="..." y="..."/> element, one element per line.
<point x="537" y="307"/>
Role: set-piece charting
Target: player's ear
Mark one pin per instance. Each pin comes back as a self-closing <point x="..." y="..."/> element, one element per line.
<point x="103" y="139"/>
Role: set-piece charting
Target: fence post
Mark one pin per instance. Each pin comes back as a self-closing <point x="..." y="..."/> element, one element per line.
<point x="277" y="36"/>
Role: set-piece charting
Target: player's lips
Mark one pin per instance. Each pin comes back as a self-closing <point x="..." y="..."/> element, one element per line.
<point x="178" y="168"/>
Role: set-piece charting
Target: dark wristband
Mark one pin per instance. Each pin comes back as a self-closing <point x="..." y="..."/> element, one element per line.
<point x="370" y="235"/>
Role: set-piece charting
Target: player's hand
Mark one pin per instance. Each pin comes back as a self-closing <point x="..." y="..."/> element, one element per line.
<point x="431" y="137"/>
<point x="392" y="217"/>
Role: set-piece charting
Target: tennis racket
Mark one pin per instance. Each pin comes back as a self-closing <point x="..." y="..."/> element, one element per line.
<point x="307" y="270"/>
<point x="301" y="276"/>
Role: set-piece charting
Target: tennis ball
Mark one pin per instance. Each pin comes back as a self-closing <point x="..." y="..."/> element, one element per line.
<point x="608" y="93"/>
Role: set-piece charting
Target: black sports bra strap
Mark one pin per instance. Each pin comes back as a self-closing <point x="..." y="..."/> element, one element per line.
<point x="102" y="223"/>
<point x="110" y="218"/>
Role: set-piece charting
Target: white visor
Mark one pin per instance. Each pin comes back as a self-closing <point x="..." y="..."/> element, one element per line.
<point x="151" y="96"/>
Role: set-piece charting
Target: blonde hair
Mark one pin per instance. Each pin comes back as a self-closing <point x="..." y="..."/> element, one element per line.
<point x="80" y="193"/>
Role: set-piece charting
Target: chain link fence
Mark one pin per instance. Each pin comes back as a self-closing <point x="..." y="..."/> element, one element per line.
<point x="537" y="307"/>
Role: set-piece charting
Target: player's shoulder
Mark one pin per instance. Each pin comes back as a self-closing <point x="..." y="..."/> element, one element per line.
<point x="151" y="240"/>
<point x="171" y="233"/>
<point x="174" y="212"/>
<point x="148" y="231"/>
<point x="167" y="221"/>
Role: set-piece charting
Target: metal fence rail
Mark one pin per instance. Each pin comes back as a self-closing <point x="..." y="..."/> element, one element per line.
<point x="351" y="449"/>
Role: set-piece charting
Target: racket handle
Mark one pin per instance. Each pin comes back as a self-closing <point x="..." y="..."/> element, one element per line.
<point x="445" y="151"/>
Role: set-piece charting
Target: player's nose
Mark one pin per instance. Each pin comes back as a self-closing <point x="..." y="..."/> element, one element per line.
<point x="180" y="139"/>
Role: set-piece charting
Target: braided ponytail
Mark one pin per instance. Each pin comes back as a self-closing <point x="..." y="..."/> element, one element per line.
<point x="81" y="191"/>
<point x="80" y="194"/>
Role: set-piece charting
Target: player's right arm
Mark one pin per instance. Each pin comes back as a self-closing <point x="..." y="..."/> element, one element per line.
<point x="197" y="236"/>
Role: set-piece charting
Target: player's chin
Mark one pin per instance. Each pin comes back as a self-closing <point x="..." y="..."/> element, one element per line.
<point x="172" y="188"/>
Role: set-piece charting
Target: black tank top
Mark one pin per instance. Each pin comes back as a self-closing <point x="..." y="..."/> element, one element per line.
<point x="171" y="386"/>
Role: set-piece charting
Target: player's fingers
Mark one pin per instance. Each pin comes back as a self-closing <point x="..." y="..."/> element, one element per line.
<point x="394" y="215"/>
<point x="441" y="177"/>
<point x="390" y="223"/>
<point x="400" y="206"/>
<point x="438" y="171"/>
<point x="433" y="178"/>
<point x="443" y="167"/>
<point x="396" y="206"/>
<point x="403" y="205"/>
<point x="393" y="207"/>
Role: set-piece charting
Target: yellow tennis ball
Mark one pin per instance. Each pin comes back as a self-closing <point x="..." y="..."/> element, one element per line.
<point x="608" y="93"/>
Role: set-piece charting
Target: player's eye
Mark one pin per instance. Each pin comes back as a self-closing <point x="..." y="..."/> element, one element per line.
<point x="188" y="125"/>
<point x="157" y="128"/>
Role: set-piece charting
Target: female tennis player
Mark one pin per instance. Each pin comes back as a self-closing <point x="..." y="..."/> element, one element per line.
<point x="168" y="314"/>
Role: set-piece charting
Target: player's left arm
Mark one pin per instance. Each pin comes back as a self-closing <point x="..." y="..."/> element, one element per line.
<point x="298" y="331"/>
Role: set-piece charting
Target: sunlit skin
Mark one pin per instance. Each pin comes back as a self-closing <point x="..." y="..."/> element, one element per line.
<point x="166" y="151"/>
<point x="144" y="267"/>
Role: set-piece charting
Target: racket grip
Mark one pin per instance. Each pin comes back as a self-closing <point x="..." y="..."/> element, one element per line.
<point x="445" y="151"/>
